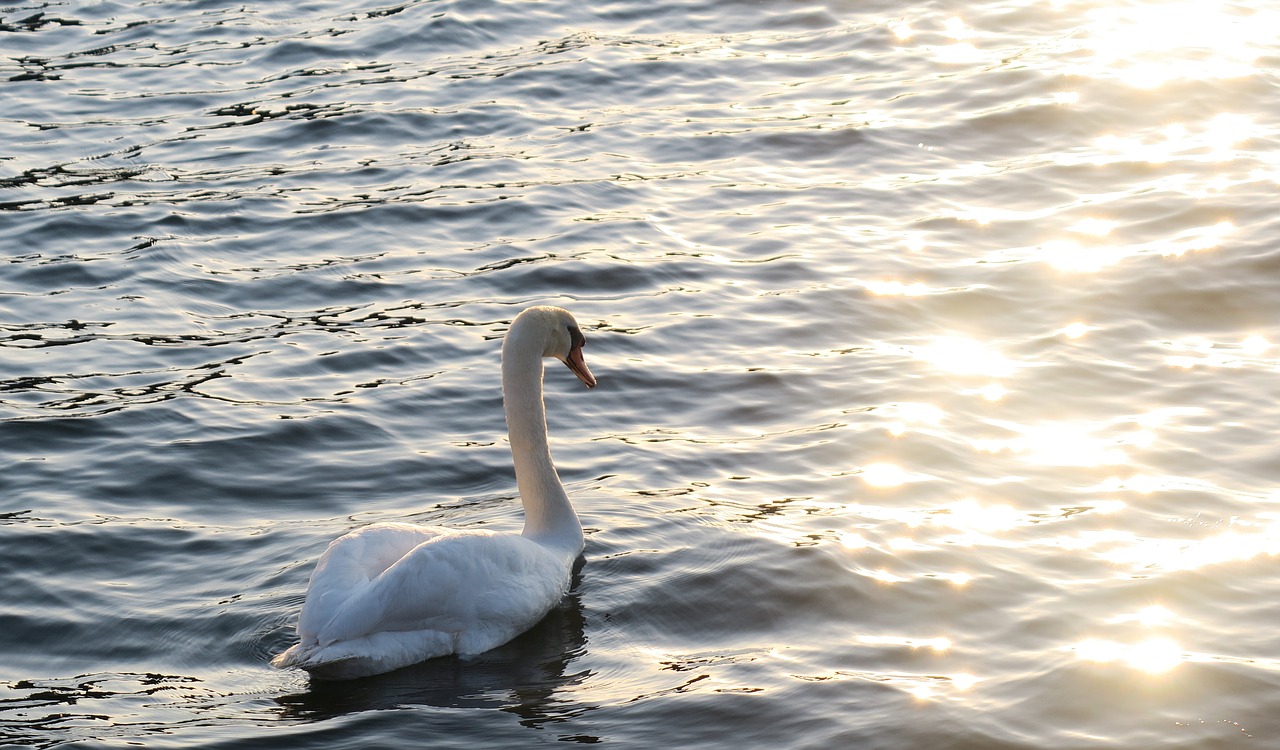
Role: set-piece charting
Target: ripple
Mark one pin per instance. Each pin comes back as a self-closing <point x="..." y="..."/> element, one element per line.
<point x="936" y="360"/>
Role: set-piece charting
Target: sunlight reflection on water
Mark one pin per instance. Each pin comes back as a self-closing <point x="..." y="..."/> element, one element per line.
<point x="1153" y="655"/>
<point x="1150" y="44"/>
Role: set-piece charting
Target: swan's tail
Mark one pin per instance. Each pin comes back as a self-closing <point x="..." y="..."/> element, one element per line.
<point x="290" y="657"/>
<point x="334" y="662"/>
<point x="306" y="655"/>
<point x="374" y="654"/>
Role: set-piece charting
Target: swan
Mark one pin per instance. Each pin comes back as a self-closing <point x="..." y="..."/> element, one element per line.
<point x="394" y="594"/>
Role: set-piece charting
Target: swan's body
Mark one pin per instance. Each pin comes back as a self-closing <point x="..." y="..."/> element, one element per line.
<point x="393" y="594"/>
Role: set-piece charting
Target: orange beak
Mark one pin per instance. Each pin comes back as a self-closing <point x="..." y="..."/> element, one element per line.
<point x="579" y="366"/>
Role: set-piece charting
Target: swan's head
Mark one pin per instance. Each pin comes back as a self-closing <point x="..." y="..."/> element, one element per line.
<point x="561" y="337"/>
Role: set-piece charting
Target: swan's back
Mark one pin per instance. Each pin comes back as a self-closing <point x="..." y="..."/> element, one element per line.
<point x="391" y="595"/>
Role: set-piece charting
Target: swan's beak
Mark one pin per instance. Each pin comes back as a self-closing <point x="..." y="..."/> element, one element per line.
<point x="579" y="367"/>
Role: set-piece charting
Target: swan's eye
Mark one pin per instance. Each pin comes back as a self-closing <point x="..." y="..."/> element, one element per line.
<point x="576" y="339"/>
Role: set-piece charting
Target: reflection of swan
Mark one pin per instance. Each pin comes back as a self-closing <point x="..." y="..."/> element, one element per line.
<point x="394" y="594"/>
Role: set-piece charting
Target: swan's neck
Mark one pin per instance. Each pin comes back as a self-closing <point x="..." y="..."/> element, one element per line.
<point x="549" y="518"/>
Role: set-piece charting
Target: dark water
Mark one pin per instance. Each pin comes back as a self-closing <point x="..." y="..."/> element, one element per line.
<point x="935" y="347"/>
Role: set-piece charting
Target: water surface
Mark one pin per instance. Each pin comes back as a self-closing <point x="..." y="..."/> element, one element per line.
<point x="937" y="349"/>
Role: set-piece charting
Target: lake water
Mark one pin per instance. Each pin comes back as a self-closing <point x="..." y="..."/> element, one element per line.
<point x="938" y="348"/>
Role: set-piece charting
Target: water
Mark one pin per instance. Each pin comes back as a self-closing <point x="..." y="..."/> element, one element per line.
<point x="937" y="346"/>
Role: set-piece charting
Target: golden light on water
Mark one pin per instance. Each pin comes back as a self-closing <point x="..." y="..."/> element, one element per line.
<point x="964" y="356"/>
<point x="1069" y="255"/>
<point x="1255" y="345"/>
<point x="986" y="215"/>
<point x="1153" y="615"/>
<point x="1148" y="45"/>
<point x="1245" y="541"/>
<point x="883" y="474"/>
<point x="968" y="514"/>
<point x="1196" y="351"/>
<point x="1199" y="238"/>
<point x="957" y="28"/>
<point x="884" y="576"/>
<point x="929" y="690"/>
<point x="959" y="53"/>
<point x="1076" y="330"/>
<point x="993" y="392"/>
<point x="910" y="416"/>
<point x="1073" y="256"/>
<point x="1145" y="46"/>
<point x="1093" y="226"/>
<point x="1152" y="655"/>
<point x="1241" y="542"/>
<point x="1214" y="141"/>
<point x="1067" y="444"/>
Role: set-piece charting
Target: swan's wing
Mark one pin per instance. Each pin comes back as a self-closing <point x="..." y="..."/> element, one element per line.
<point x="461" y="583"/>
<point x="351" y="561"/>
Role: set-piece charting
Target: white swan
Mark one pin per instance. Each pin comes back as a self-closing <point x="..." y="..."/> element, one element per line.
<point x="393" y="594"/>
